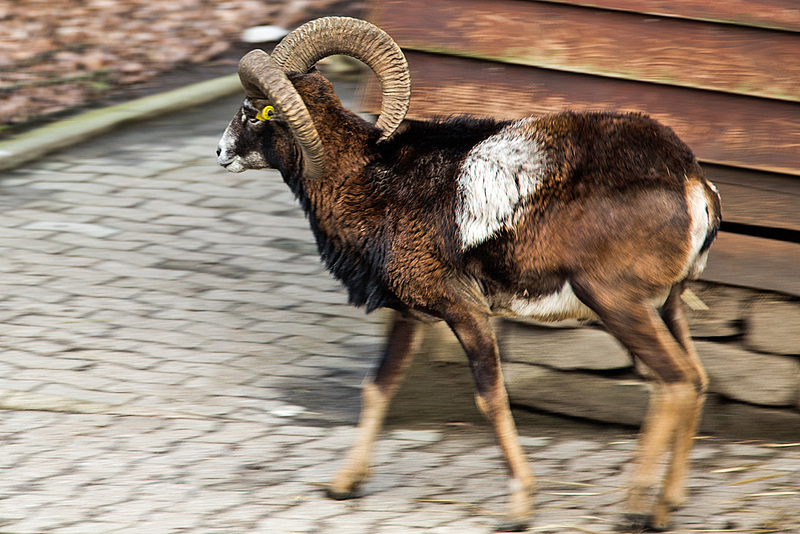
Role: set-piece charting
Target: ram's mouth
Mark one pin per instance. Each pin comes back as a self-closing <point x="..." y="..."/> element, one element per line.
<point x="231" y="165"/>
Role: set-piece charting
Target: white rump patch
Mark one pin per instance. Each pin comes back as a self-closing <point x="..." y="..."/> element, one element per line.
<point x="498" y="175"/>
<point x="699" y="223"/>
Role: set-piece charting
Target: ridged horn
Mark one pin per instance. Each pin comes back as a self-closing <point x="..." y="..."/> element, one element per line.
<point x="324" y="37"/>
<point x="260" y="75"/>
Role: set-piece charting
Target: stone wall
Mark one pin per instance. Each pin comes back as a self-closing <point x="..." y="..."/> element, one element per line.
<point x="748" y="340"/>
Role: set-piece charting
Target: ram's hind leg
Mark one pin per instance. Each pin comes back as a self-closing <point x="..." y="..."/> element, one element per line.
<point x="375" y="397"/>
<point x="674" y="316"/>
<point x="674" y="405"/>
<point x="476" y="336"/>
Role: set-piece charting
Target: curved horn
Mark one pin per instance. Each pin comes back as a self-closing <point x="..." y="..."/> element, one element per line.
<point x="327" y="36"/>
<point x="261" y="76"/>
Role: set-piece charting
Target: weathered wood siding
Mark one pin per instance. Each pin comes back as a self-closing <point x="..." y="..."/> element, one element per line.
<point x="732" y="91"/>
<point x="724" y="75"/>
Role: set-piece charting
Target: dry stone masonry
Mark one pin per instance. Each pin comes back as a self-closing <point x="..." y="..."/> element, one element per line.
<point x="748" y="340"/>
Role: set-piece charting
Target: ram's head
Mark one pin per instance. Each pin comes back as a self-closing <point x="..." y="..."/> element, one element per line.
<point x="274" y="123"/>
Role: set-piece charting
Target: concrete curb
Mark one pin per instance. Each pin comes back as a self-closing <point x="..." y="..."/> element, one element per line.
<point x="37" y="143"/>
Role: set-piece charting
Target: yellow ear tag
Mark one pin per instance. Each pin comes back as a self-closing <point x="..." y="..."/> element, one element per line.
<point x="266" y="113"/>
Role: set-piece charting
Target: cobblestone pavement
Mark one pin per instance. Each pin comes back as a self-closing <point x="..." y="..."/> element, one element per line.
<point x="174" y="359"/>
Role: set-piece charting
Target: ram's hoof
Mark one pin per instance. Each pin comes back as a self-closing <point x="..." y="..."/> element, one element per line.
<point x="640" y="523"/>
<point x="338" y="495"/>
<point x="513" y="524"/>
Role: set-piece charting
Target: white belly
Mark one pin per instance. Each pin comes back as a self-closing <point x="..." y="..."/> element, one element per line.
<point x="557" y="306"/>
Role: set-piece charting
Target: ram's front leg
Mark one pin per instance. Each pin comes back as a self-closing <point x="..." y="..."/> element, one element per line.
<point x="476" y="336"/>
<point x="375" y="397"/>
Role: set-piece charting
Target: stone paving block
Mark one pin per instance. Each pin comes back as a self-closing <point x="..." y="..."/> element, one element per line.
<point x="176" y="339"/>
<point x="31" y="524"/>
<point x="605" y="460"/>
<point x="19" y="279"/>
<point x="59" y="260"/>
<point x="66" y="174"/>
<point x="155" y="183"/>
<point x="241" y="518"/>
<point x="201" y="172"/>
<point x="314" y="509"/>
<point x="167" y="197"/>
<point x="396" y="529"/>
<point x="461" y="527"/>
<point x="204" y="356"/>
<point x="119" y="170"/>
<point x="419" y="436"/>
<point x="75" y="325"/>
<point x="93" y="256"/>
<point x="14" y="384"/>
<point x="87" y="186"/>
<point x="20" y="178"/>
<point x="213" y="190"/>
<point x="23" y="359"/>
<point x="96" y="199"/>
<point x="121" y="241"/>
<point x="130" y="213"/>
<point x="425" y="517"/>
<point x="23" y="233"/>
<point x="108" y="308"/>
<point x="362" y="522"/>
<point x="29" y="341"/>
<point x="202" y="316"/>
<point x="32" y="243"/>
<point x="211" y="236"/>
<point x="70" y="393"/>
<point x="35" y="293"/>
<point x="166" y="521"/>
<point x="163" y="300"/>
<point x="128" y="513"/>
<point x="286" y="525"/>
<point x="318" y="297"/>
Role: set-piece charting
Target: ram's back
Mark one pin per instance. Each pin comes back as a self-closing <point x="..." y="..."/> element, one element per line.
<point x="528" y="204"/>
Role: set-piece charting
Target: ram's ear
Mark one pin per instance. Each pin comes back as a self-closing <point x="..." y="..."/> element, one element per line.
<point x="260" y="104"/>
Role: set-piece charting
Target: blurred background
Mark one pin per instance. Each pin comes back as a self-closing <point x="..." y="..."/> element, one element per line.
<point x="60" y="56"/>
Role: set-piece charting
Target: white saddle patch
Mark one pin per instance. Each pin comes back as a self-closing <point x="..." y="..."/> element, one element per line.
<point x="496" y="178"/>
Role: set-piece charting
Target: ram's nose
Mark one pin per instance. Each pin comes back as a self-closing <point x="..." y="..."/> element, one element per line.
<point x="223" y="161"/>
<point x="222" y="157"/>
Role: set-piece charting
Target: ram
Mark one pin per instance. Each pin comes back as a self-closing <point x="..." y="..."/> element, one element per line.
<point x="568" y="215"/>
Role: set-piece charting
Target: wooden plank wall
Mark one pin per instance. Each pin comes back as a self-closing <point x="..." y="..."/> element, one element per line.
<point x="724" y="75"/>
